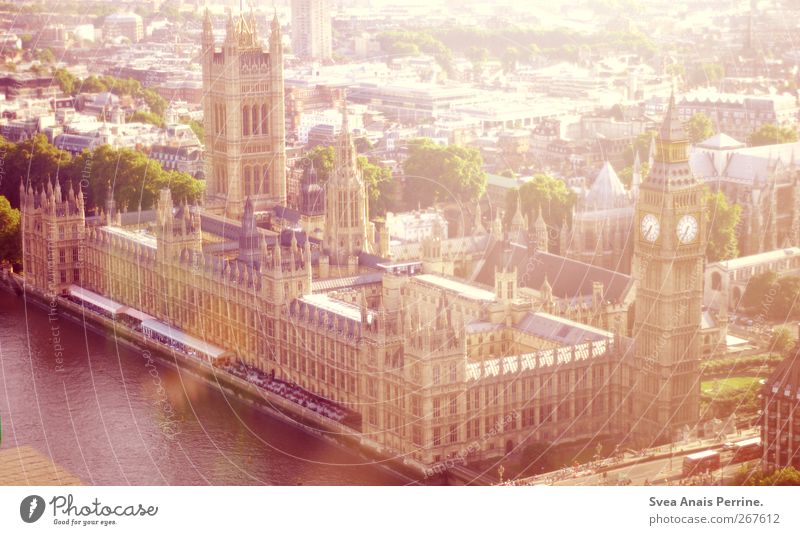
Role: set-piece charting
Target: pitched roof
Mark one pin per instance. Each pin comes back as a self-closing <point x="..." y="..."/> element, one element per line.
<point x="607" y="190"/>
<point x="672" y="128"/>
<point x="570" y="279"/>
<point x="721" y="141"/>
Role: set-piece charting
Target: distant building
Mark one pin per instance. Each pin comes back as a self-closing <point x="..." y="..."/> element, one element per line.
<point x="128" y="25"/>
<point x="415" y="226"/>
<point x="738" y="115"/>
<point x="311" y="29"/>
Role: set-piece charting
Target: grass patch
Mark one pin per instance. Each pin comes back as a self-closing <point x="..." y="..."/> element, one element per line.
<point x="728" y="386"/>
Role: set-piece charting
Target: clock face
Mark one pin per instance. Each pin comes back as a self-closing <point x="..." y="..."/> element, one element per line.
<point x="687" y="229"/>
<point x="650" y="228"/>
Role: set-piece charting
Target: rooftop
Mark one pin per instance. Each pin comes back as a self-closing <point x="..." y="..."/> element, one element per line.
<point x="467" y="291"/>
<point x="757" y="259"/>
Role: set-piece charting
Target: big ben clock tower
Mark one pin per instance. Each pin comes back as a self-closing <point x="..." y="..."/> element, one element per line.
<point x="669" y="254"/>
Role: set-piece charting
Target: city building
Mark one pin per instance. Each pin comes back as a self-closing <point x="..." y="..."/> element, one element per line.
<point x="780" y="418"/>
<point x="764" y="181"/>
<point x="311" y="29"/>
<point x="415" y="226"/>
<point x="128" y="25"/>
<point x="739" y="115"/>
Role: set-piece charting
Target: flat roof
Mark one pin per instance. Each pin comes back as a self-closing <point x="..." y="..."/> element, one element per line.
<point x="186" y="339"/>
<point x="760" y="258"/>
<point x="463" y="289"/>
<point x="97" y="300"/>
<point x="138" y="314"/>
<point x="340" y="308"/>
<point x="139" y="236"/>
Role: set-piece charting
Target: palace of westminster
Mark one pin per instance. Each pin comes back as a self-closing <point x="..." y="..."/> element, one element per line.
<point x="481" y="343"/>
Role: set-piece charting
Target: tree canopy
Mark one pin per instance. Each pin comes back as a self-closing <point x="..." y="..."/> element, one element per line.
<point x="699" y="127"/>
<point x="134" y="178"/>
<point x="545" y="193"/>
<point x="10" y="244"/>
<point x="378" y="179"/>
<point x="758" y="292"/>
<point x="770" y="134"/>
<point x="435" y="173"/>
<point x="722" y="217"/>
<point x="773" y="297"/>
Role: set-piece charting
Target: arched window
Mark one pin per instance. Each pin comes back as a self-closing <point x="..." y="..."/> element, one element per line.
<point x="255" y="120"/>
<point x="716" y="281"/>
<point x="247" y="180"/>
<point x="264" y="118"/>
<point x="265" y="179"/>
<point x="256" y="179"/>
<point x="245" y="120"/>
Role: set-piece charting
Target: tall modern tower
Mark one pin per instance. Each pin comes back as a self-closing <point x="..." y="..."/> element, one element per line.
<point x="311" y="29"/>
<point x="669" y="253"/>
<point x="243" y="106"/>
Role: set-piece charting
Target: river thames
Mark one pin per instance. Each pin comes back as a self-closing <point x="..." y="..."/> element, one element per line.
<point x="111" y="415"/>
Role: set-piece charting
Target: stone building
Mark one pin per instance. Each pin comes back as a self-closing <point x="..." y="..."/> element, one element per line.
<point x="602" y="221"/>
<point x="762" y="180"/>
<point x="245" y="131"/>
<point x="780" y="420"/>
<point x="669" y="255"/>
<point x="442" y="349"/>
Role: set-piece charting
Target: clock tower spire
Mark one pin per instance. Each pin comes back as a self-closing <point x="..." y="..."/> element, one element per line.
<point x="669" y="257"/>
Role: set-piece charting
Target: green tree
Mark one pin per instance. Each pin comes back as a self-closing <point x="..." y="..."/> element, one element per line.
<point x="380" y="186"/>
<point x="435" y="173"/>
<point x="510" y="58"/>
<point x="92" y="84"/>
<point x="10" y="243"/>
<point x="783" y="477"/>
<point x="45" y="56"/>
<point x="545" y="193"/>
<point x="781" y="340"/>
<point x="147" y="117"/>
<point x="626" y="175"/>
<point x="786" y="304"/>
<point x="759" y="293"/>
<point x="66" y="81"/>
<point x="35" y="161"/>
<point x="699" y="127"/>
<point x="322" y="157"/>
<point x="362" y="144"/>
<point x="197" y="128"/>
<point x="770" y="134"/>
<point x="723" y="218"/>
<point x="155" y="102"/>
<point x="478" y="56"/>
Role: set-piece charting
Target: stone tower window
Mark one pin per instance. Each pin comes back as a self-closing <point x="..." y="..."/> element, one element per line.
<point x="245" y="120"/>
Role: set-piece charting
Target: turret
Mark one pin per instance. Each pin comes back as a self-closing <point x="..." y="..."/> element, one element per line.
<point x="540" y="233"/>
